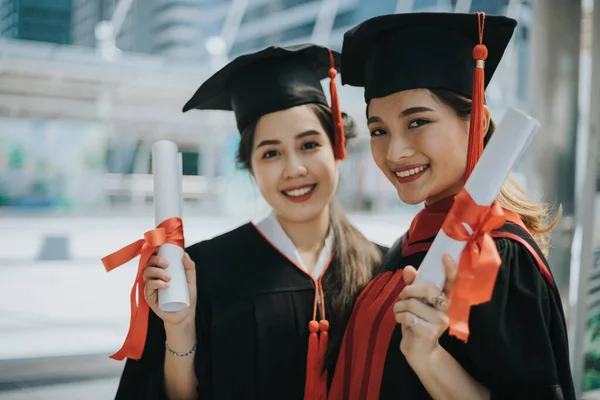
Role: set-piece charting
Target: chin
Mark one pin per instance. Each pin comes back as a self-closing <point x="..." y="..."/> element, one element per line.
<point x="302" y="213"/>
<point x="300" y="217"/>
<point x="410" y="198"/>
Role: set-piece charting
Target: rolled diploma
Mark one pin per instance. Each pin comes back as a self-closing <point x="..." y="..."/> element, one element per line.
<point x="166" y="168"/>
<point x="509" y="141"/>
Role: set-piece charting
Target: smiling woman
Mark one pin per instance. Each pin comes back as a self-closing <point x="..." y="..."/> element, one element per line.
<point x="423" y="76"/>
<point x="271" y="298"/>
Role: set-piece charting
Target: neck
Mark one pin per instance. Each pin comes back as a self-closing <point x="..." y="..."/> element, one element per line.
<point x="448" y="192"/>
<point x="307" y="236"/>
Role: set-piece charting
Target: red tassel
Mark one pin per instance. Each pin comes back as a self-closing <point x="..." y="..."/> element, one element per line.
<point x="312" y="360"/>
<point x="339" y="145"/>
<point x="321" y="390"/>
<point x="476" y="134"/>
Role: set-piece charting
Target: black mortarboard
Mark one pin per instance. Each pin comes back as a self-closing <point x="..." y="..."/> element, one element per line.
<point x="270" y="80"/>
<point x="391" y="53"/>
<point x="457" y="52"/>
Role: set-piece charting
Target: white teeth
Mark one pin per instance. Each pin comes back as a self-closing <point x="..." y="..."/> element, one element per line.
<point x="299" y="192"/>
<point x="404" y="174"/>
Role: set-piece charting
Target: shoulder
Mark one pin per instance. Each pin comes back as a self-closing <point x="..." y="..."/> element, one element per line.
<point x="521" y="254"/>
<point x="221" y="254"/>
<point x="383" y="250"/>
<point x="237" y="237"/>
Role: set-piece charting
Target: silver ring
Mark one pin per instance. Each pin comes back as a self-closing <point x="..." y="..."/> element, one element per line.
<point x="415" y="320"/>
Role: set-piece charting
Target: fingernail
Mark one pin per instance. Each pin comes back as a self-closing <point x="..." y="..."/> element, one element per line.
<point x="168" y="277"/>
<point x="164" y="263"/>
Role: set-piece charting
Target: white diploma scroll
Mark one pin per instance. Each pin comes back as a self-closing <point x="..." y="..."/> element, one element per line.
<point x="511" y="138"/>
<point x="168" y="201"/>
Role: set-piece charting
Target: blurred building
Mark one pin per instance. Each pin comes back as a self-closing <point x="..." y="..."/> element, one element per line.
<point x="78" y="117"/>
<point x="117" y="104"/>
<point x="135" y="34"/>
<point x="36" y="20"/>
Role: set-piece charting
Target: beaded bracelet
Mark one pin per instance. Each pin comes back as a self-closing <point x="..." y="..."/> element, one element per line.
<point x="187" y="353"/>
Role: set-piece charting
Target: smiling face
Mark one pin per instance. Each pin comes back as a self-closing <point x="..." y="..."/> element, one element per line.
<point x="293" y="164"/>
<point x="419" y="143"/>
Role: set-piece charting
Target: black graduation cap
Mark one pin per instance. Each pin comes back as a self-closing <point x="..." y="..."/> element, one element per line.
<point x="457" y="52"/>
<point x="270" y="80"/>
<point x="391" y="53"/>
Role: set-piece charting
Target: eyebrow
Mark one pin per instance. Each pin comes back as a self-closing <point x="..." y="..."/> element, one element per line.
<point x="298" y="136"/>
<point x="404" y="113"/>
<point x="414" y="110"/>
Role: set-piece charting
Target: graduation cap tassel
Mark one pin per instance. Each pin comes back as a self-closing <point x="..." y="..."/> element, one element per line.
<point x="321" y="389"/>
<point x="339" y="147"/>
<point x="476" y="134"/>
<point x="311" y="360"/>
<point x="316" y="381"/>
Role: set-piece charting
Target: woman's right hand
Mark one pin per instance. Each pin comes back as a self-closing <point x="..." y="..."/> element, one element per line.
<point x="156" y="277"/>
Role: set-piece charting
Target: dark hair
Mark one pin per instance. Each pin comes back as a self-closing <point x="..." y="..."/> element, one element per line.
<point x="354" y="256"/>
<point x="512" y="196"/>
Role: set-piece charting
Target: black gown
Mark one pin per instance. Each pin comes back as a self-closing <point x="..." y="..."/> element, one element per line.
<point x="254" y="306"/>
<point x="517" y="346"/>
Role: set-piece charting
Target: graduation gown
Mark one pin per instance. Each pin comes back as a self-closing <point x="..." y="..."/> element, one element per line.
<point x="517" y="345"/>
<point x="255" y="301"/>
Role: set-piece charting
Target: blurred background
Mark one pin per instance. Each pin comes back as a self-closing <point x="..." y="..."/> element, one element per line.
<point x="86" y="87"/>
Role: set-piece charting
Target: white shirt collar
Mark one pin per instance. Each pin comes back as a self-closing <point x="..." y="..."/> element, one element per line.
<point x="272" y="230"/>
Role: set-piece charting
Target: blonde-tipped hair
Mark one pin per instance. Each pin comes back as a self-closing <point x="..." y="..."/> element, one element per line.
<point x="536" y="216"/>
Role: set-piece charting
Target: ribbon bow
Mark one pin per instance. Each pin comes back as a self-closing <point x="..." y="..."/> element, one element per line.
<point x="169" y="231"/>
<point x="479" y="261"/>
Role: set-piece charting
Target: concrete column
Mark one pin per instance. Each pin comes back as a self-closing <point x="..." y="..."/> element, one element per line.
<point x="552" y="99"/>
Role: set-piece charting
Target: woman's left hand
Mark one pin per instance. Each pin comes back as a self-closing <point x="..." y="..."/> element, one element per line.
<point x="423" y="324"/>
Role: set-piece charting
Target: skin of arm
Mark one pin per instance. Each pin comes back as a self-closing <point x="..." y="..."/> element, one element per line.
<point x="180" y="377"/>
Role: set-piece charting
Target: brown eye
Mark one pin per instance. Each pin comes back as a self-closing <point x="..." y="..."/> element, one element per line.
<point x="377" y="132"/>
<point x="310" y="145"/>
<point x="270" y="154"/>
<point x="417" y="123"/>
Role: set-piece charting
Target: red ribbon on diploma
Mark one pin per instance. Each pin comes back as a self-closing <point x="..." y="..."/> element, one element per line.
<point x="169" y="231"/>
<point x="479" y="261"/>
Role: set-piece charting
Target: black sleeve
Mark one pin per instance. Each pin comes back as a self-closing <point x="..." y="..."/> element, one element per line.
<point x="202" y="360"/>
<point x="144" y="378"/>
<point x="518" y="345"/>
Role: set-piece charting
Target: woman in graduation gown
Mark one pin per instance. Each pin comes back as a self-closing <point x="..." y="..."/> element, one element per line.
<point x="272" y="297"/>
<point x="424" y="77"/>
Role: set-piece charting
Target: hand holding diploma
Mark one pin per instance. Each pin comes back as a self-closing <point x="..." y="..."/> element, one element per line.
<point x="465" y="234"/>
<point x="157" y="278"/>
<point x="422" y="325"/>
<point x="168" y="240"/>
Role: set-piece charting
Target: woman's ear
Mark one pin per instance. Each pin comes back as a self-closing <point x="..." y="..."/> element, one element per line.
<point x="486" y="120"/>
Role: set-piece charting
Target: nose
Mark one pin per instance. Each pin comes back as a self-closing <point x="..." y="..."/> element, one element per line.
<point x="399" y="147"/>
<point x="294" y="168"/>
